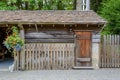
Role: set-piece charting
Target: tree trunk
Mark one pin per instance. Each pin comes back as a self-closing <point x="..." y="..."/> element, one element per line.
<point x="87" y="4"/>
<point x="74" y="4"/>
<point x="78" y="4"/>
<point x="26" y="5"/>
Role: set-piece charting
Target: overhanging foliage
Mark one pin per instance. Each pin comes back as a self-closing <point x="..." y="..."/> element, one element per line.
<point x="111" y="11"/>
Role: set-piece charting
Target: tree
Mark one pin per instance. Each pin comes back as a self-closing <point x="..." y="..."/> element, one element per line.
<point x="111" y="11"/>
<point x="4" y="6"/>
<point x="96" y="4"/>
<point x="44" y="4"/>
<point x="40" y="4"/>
<point x="74" y="4"/>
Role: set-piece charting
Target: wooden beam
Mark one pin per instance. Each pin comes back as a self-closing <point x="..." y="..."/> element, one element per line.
<point x="87" y="25"/>
<point x="6" y="25"/>
<point x="22" y="33"/>
<point x="53" y="25"/>
<point x="36" y="27"/>
<point x="22" y="54"/>
<point x="64" y="25"/>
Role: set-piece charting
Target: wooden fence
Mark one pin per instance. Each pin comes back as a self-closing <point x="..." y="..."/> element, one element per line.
<point x="110" y="51"/>
<point x="47" y="56"/>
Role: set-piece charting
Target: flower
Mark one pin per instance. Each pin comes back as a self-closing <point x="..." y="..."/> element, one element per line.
<point x="14" y="41"/>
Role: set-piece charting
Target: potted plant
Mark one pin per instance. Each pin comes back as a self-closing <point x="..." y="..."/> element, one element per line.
<point x="14" y="41"/>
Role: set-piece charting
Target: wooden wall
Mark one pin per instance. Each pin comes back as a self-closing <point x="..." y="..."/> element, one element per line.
<point x="49" y="33"/>
<point x="54" y="33"/>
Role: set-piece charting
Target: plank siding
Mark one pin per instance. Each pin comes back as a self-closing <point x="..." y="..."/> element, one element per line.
<point x="55" y="36"/>
<point x="49" y="40"/>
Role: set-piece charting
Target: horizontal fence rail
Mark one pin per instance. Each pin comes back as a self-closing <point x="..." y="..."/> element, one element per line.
<point x="49" y="56"/>
<point x="110" y="51"/>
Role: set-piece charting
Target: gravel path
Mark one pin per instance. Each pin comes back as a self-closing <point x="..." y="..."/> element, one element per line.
<point x="101" y="74"/>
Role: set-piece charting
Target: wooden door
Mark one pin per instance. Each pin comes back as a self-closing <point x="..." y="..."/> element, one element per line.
<point x="83" y="48"/>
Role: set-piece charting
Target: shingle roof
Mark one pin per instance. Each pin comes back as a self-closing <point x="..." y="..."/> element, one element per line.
<point x="50" y="17"/>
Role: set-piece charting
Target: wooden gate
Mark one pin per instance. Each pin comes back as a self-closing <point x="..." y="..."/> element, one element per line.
<point x="83" y="48"/>
<point x="47" y="56"/>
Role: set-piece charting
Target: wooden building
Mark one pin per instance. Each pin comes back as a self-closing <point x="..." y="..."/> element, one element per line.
<point x="55" y="39"/>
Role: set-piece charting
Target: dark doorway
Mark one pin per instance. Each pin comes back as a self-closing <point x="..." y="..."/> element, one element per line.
<point x="6" y="57"/>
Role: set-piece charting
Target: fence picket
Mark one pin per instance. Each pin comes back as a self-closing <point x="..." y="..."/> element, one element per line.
<point x="110" y="53"/>
<point x="47" y="56"/>
<point x="118" y="51"/>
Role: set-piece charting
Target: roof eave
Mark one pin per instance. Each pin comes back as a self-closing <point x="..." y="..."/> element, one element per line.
<point x="83" y="22"/>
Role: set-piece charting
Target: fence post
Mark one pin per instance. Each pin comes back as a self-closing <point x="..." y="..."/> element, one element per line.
<point x="95" y="51"/>
<point x="22" y="54"/>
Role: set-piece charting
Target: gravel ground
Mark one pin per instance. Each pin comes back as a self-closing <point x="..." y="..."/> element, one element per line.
<point x="101" y="74"/>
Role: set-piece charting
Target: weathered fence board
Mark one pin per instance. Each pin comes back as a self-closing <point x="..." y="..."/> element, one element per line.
<point x="110" y="52"/>
<point x="47" y="56"/>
